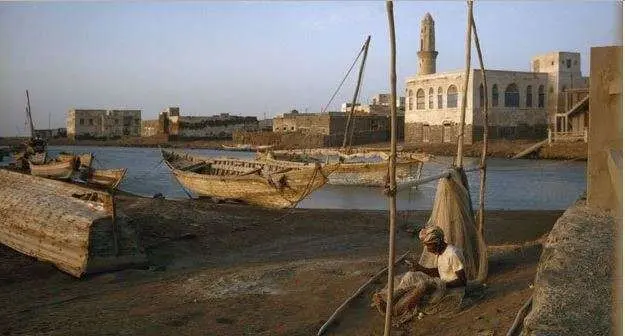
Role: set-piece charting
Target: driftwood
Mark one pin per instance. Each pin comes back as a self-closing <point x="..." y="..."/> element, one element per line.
<point x="359" y="291"/>
<point x="65" y="224"/>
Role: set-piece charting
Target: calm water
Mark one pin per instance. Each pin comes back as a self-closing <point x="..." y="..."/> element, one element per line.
<point x="511" y="184"/>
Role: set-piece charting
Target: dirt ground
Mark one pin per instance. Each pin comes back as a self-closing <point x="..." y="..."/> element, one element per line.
<point x="234" y="270"/>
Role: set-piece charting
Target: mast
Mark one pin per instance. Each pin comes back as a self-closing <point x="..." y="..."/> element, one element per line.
<point x="362" y="66"/>
<point x="29" y="117"/>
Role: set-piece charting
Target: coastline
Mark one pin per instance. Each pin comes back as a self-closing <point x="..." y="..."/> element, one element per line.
<point x="496" y="148"/>
<point x="234" y="270"/>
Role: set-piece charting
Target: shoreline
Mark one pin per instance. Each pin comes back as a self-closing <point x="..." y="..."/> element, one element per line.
<point x="233" y="270"/>
<point x="496" y="148"/>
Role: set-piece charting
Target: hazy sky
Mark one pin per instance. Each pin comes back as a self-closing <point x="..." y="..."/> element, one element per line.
<point x="256" y="58"/>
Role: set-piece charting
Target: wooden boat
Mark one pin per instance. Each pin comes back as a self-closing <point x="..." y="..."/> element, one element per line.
<point x="84" y="160"/>
<point x="56" y="169"/>
<point x="265" y="184"/>
<point x="361" y="172"/>
<point x="237" y="147"/>
<point x="108" y="178"/>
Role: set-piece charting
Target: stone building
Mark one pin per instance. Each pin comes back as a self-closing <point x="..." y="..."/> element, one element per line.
<point x="90" y="123"/>
<point x="368" y="128"/>
<point x="220" y="126"/>
<point x="380" y="104"/>
<point x="521" y="104"/>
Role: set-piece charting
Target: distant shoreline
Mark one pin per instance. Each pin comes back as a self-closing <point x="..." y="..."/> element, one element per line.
<point x="496" y="148"/>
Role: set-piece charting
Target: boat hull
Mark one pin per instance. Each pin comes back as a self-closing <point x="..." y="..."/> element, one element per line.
<point x="273" y="187"/>
<point x="108" y="178"/>
<point x="55" y="170"/>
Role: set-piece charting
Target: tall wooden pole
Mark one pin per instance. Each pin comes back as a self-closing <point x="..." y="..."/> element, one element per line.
<point x="351" y="112"/>
<point x="465" y="88"/>
<point x="480" y="219"/>
<point x="30" y="116"/>
<point x="391" y="169"/>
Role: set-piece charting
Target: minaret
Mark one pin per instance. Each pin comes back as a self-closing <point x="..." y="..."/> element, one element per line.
<point x="427" y="53"/>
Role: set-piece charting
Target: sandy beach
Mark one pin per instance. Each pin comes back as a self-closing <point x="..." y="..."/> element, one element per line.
<point x="225" y="269"/>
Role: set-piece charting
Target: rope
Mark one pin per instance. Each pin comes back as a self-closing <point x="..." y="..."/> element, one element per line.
<point x="344" y="78"/>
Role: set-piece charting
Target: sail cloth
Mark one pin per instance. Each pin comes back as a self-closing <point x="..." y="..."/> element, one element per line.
<point x="452" y="211"/>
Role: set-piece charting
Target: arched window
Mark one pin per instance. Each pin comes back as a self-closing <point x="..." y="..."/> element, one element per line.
<point x="541" y="96"/>
<point x="452" y="96"/>
<point x="410" y="99"/>
<point x="420" y="99"/>
<point x="511" y="96"/>
<point x="528" y="96"/>
<point x="495" y="95"/>
<point x="481" y="95"/>
<point x="439" y="98"/>
<point x="431" y="98"/>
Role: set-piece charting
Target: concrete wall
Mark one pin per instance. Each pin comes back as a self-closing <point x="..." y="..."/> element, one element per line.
<point x="606" y="126"/>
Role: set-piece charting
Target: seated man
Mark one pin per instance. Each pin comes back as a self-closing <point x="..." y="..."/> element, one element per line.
<point x="422" y="285"/>
<point x="450" y="261"/>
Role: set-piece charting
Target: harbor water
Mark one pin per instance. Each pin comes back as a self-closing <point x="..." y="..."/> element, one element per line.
<point x="511" y="184"/>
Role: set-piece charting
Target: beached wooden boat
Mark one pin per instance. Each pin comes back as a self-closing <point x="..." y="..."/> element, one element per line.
<point x="60" y="170"/>
<point x="360" y="172"/>
<point x="108" y="178"/>
<point x="77" y="229"/>
<point x="84" y="160"/>
<point x="271" y="185"/>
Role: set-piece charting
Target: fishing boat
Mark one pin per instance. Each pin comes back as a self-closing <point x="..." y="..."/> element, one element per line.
<point x="368" y="169"/>
<point x="266" y="184"/>
<point x="107" y="178"/>
<point x="55" y="169"/>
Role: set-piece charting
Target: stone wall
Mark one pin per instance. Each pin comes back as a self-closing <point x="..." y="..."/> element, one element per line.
<point x="149" y="128"/>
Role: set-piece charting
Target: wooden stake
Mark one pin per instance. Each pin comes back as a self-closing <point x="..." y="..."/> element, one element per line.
<point x="480" y="219"/>
<point x="393" y="183"/>
<point x="463" y="108"/>
<point x="356" y="294"/>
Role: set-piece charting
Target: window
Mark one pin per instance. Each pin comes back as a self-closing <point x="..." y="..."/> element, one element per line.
<point x="452" y="96"/>
<point x="431" y="98"/>
<point x="90" y="121"/>
<point x="551" y="89"/>
<point x="439" y="98"/>
<point x="541" y="96"/>
<point x="481" y="95"/>
<point x="568" y="63"/>
<point x="528" y="96"/>
<point x="420" y="99"/>
<point x="563" y="88"/>
<point x="410" y="99"/>
<point x="495" y="96"/>
<point x="511" y="96"/>
<point x="82" y="121"/>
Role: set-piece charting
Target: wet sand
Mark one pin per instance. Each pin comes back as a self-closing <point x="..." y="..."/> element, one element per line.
<point x="235" y="270"/>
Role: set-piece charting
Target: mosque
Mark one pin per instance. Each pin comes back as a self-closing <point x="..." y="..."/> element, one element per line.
<point x="521" y="104"/>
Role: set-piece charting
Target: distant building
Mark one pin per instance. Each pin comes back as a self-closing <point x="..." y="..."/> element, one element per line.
<point x="149" y="128"/>
<point x="521" y="104"/>
<point x="219" y="126"/>
<point x="88" y="123"/>
<point x="380" y="104"/>
<point x="265" y="125"/>
<point x="368" y="128"/>
<point x="51" y="133"/>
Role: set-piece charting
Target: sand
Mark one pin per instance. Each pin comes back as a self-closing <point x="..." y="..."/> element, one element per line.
<point x="235" y="270"/>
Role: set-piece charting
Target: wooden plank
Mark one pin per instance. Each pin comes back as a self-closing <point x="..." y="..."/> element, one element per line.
<point x="530" y="149"/>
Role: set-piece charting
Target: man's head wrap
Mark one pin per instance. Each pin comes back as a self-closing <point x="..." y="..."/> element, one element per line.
<point x="432" y="234"/>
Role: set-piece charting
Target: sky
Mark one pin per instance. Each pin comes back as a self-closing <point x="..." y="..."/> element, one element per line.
<point x="257" y="58"/>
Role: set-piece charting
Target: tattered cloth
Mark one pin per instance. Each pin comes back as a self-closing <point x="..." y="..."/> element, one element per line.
<point x="416" y="292"/>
